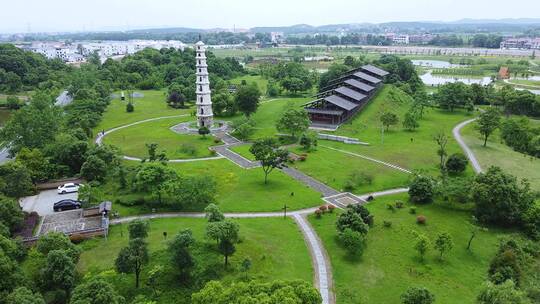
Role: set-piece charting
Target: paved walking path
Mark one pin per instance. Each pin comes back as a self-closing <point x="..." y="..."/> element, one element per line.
<point x="235" y="157"/>
<point x="323" y="272"/>
<point x="370" y="159"/>
<point x="310" y="181"/>
<point x="470" y="155"/>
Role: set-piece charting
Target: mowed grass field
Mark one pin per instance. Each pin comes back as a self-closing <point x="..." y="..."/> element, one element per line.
<point x="269" y="112"/>
<point x="238" y="190"/>
<point x="133" y="140"/>
<point x="150" y="106"/>
<point x="414" y="150"/>
<point x="275" y="247"/>
<point x="390" y="265"/>
<point x="261" y="82"/>
<point x="496" y="153"/>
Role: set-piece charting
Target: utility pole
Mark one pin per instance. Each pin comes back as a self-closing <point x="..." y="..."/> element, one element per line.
<point x="284" y="211"/>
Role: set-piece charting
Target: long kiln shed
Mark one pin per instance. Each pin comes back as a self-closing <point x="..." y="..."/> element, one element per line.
<point x="345" y="96"/>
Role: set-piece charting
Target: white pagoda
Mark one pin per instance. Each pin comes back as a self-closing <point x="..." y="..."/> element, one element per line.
<point x="205" y="117"/>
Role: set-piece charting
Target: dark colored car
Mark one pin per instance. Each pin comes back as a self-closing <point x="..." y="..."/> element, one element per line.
<point x="67" y="204"/>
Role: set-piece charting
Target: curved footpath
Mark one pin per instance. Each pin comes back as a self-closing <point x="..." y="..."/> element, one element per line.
<point x="470" y="155"/>
<point x="100" y="136"/>
<point x="321" y="263"/>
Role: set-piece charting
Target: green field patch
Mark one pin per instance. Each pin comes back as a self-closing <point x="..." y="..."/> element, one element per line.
<point x="275" y="247"/>
<point x="390" y="265"/>
<point x="133" y="140"/>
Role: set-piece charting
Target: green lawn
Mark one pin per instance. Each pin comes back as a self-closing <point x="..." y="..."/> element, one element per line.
<point x="411" y="150"/>
<point x="151" y="105"/>
<point x="269" y="112"/>
<point x="133" y="140"/>
<point x="525" y="82"/>
<point x="243" y="150"/>
<point x="274" y="245"/>
<point x="499" y="154"/>
<point x="334" y="168"/>
<point x="238" y="190"/>
<point x="390" y="265"/>
<point x="261" y="82"/>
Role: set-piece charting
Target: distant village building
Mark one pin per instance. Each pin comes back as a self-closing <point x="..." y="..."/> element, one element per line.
<point x="521" y="43"/>
<point x="504" y="73"/>
<point x="345" y="96"/>
<point x="401" y="39"/>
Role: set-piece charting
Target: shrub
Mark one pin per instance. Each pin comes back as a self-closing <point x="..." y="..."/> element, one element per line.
<point x="318" y="213"/>
<point x="188" y="149"/>
<point x="357" y="179"/>
<point x="331" y="208"/>
<point x="399" y="204"/>
<point x="456" y="163"/>
<point x="302" y="158"/>
<point x="130" y="108"/>
<point x="217" y="140"/>
<point x="416" y="295"/>
<point x="323" y="208"/>
<point x="412" y="210"/>
<point x="391" y="207"/>
<point x="421" y="220"/>
<point x="387" y="224"/>
<point x="421" y="189"/>
<point x="352" y="240"/>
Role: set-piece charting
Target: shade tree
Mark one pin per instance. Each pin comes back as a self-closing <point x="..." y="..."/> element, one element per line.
<point x="269" y="154"/>
<point x="133" y="258"/>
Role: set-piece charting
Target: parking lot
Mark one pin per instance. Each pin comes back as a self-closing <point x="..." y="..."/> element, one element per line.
<point x="44" y="201"/>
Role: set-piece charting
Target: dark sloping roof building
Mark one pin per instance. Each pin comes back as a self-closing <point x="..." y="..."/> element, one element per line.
<point x="345" y="96"/>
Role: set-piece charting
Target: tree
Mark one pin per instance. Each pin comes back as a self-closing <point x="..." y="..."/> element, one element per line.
<point x="10" y="274"/>
<point x="269" y="154"/>
<point x="153" y="155"/>
<point x="421" y="245"/>
<point x="13" y="102"/>
<point x="308" y="141"/>
<point x="131" y="259"/>
<point x="499" y="198"/>
<point x="293" y="84"/>
<point x="193" y="190"/>
<point x="94" y="169"/>
<point x="410" y="121"/>
<point x="388" y="119"/>
<point x="11" y="215"/>
<point x="154" y="178"/>
<point x="96" y="291"/>
<point x="226" y="234"/>
<point x="130" y="107"/>
<point x="15" y="180"/>
<point x="488" y="122"/>
<point x="243" y="129"/>
<point x="421" y="189"/>
<point x="456" y="163"/>
<point x="213" y="214"/>
<point x="138" y="229"/>
<point x="23" y="295"/>
<point x="299" y="292"/>
<point x="453" y="95"/>
<point x="442" y="140"/>
<point x="505" y="293"/>
<point x="37" y="164"/>
<point x="90" y="194"/>
<point x="293" y="121"/>
<point x="58" y="241"/>
<point x="59" y="272"/>
<point x="175" y="97"/>
<point x="247" y="99"/>
<point x="180" y="255"/>
<point x="417" y="295"/>
<point x="532" y="222"/>
<point x="351" y="220"/>
<point x="203" y="131"/>
<point x="352" y="240"/>
<point x="443" y="243"/>
<point x="34" y="125"/>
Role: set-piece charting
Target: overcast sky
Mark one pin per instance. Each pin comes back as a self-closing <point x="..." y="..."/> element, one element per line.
<point x="77" y="15"/>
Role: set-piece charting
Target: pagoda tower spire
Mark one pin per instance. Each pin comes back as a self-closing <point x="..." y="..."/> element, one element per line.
<point x="205" y="117"/>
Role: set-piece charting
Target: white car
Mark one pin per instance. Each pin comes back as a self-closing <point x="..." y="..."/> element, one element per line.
<point x="68" y="188"/>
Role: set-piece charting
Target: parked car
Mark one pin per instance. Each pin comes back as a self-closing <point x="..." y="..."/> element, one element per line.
<point x="68" y="188"/>
<point x="67" y="204"/>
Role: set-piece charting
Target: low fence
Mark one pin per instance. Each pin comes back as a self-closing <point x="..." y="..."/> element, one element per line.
<point x="59" y="182"/>
<point x="74" y="236"/>
<point x="343" y="139"/>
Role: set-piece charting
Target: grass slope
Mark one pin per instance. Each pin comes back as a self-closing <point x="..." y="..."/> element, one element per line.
<point x="133" y="140"/>
<point x="411" y="150"/>
<point x="390" y="265"/>
<point x="274" y="245"/>
<point x="498" y="154"/>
